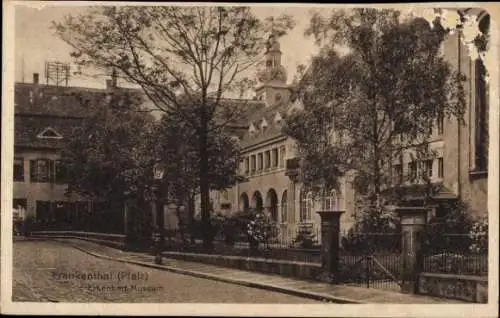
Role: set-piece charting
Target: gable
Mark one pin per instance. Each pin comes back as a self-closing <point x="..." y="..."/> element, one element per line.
<point x="49" y="133"/>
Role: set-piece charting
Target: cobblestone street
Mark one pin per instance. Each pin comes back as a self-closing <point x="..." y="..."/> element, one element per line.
<point x="50" y="271"/>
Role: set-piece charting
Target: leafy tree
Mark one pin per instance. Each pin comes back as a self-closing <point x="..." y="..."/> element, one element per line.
<point x="177" y="144"/>
<point x="363" y="109"/>
<point x="178" y="55"/>
<point x="104" y="158"/>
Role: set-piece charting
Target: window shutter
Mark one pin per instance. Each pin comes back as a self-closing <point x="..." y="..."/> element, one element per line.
<point x="33" y="173"/>
<point x="51" y="170"/>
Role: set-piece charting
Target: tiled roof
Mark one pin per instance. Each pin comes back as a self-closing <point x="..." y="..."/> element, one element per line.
<point x="60" y="108"/>
<point x="27" y="128"/>
<point x="49" y="100"/>
<point x="247" y="108"/>
<point x="272" y="131"/>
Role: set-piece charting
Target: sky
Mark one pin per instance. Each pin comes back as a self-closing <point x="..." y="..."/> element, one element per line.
<point x="35" y="43"/>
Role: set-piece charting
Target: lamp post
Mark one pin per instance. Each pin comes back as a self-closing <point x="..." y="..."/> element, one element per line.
<point x="158" y="173"/>
<point x="181" y="210"/>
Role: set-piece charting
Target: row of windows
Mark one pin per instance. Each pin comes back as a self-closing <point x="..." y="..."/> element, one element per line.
<point x="417" y="169"/>
<point x="266" y="160"/>
<point x="438" y="128"/>
<point x="328" y="203"/>
<point x="40" y="170"/>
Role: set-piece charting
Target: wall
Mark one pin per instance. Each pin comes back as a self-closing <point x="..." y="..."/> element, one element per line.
<point x="468" y="288"/>
<point x="32" y="191"/>
<point x="459" y="140"/>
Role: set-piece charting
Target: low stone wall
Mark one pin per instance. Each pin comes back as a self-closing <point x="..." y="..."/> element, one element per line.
<point x="302" y="270"/>
<point x="308" y="271"/>
<point x="113" y="240"/>
<point x="468" y="288"/>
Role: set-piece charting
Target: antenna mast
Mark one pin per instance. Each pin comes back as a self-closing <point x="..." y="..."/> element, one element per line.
<point x="57" y="73"/>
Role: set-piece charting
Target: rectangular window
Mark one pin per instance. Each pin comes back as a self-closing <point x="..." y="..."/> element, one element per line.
<point x="18" y="169"/>
<point x="259" y="162"/>
<point x="282" y="156"/>
<point x="440" y="124"/>
<point x="19" y="209"/>
<point x="247" y="165"/>
<point x="275" y="157"/>
<point x="40" y="170"/>
<point x="412" y="170"/>
<point x="253" y="165"/>
<point x="482" y="114"/>
<point x="267" y="159"/>
<point x="440" y="168"/>
<point x="397" y="173"/>
<point x="427" y="165"/>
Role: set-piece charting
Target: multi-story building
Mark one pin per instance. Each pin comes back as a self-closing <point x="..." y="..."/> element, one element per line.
<point x="460" y="163"/>
<point x="270" y="158"/>
<point x="44" y="117"/>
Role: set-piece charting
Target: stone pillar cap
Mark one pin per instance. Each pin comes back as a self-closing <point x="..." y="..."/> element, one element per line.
<point x="410" y="209"/>
<point x="330" y="211"/>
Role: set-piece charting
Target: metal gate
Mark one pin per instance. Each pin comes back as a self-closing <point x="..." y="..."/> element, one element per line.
<point x="374" y="262"/>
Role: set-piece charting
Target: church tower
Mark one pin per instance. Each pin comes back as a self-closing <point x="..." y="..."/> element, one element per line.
<point x="273" y="88"/>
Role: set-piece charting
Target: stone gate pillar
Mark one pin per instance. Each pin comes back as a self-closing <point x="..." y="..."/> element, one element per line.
<point x="330" y="241"/>
<point x="413" y="221"/>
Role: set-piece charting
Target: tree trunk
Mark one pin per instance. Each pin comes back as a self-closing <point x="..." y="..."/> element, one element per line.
<point x="191" y="207"/>
<point x="204" y="185"/>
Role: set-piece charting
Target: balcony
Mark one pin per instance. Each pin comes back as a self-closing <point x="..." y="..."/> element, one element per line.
<point x="292" y="166"/>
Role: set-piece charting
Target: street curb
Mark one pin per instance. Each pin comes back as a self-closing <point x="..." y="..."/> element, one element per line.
<point x="285" y="290"/>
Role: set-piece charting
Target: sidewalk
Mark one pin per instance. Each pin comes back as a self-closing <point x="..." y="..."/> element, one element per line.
<point x="314" y="290"/>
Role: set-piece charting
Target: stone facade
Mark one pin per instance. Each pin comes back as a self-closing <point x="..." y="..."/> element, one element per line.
<point x="455" y="145"/>
<point x="461" y="150"/>
<point x="267" y="155"/>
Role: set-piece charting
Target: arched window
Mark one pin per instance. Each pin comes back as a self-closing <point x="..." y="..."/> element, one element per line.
<point x="329" y="202"/>
<point x="306" y="203"/>
<point x="284" y="212"/>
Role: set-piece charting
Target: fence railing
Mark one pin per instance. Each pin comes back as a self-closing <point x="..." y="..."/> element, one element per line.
<point x="371" y="271"/>
<point x="294" y="244"/>
<point x="456" y="254"/>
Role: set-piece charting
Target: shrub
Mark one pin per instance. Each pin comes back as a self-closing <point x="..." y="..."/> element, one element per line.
<point x="305" y="238"/>
<point x="260" y="229"/>
<point x="449" y="231"/>
<point x="479" y="235"/>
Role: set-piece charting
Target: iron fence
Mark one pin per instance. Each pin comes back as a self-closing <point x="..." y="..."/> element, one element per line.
<point x="283" y="244"/>
<point x="456" y="254"/>
<point x="371" y="270"/>
<point x="370" y="260"/>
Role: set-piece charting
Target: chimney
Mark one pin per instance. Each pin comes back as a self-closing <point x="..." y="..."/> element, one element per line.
<point x="111" y="83"/>
<point x="34" y="90"/>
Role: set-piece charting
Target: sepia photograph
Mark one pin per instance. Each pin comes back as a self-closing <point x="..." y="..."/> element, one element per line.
<point x="210" y="155"/>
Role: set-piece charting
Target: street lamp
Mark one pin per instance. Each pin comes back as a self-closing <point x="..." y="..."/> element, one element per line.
<point x="181" y="208"/>
<point x="158" y="173"/>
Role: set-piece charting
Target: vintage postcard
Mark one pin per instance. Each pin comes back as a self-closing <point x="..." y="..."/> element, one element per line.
<point x="246" y="159"/>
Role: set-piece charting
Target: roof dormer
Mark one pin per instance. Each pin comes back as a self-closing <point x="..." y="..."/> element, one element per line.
<point x="49" y="133"/>
<point x="263" y="124"/>
<point x="278" y="118"/>
<point x="252" y="130"/>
